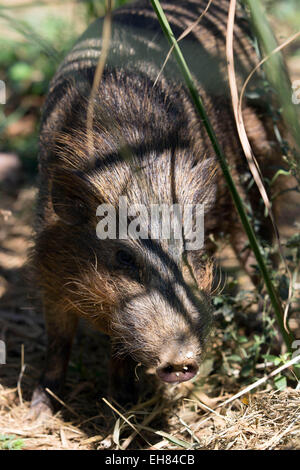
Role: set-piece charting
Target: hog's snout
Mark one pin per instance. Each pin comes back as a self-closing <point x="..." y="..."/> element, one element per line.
<point x="172" y="373"/>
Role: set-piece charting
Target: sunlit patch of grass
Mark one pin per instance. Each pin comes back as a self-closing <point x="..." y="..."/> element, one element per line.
<point x="10" y="442"/>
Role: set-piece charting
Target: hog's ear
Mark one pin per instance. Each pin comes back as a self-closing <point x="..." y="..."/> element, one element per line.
<point x="72" y="197"/>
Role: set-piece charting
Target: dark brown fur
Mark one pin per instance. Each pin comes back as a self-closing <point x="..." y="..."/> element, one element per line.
<point x="150" y="146"/>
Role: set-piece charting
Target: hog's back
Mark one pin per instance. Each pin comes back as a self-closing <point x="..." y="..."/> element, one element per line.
<point x="138" y="47"/>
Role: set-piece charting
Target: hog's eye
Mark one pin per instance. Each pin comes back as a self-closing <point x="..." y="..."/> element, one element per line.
<point x="125" y="258"/>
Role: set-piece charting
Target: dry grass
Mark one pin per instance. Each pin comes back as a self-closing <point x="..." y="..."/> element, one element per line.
<point x="270" y="420"/>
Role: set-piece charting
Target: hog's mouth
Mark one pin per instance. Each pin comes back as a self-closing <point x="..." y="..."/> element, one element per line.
<point x="156" y="332"/>
<point x="176" y="373"/>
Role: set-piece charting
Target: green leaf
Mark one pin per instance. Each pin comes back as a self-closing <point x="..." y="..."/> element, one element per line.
<point x="275" y="359"/>
<point x="20" y="71"/>
<point x="242" y="339"/>
<point x="9" y="442"/>
<point x="280" y="382"/>
<point x="206" y="367"/>
<point x="234" y="358"/>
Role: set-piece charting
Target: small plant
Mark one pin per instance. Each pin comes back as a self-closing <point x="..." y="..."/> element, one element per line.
<point x="10" y="442"/>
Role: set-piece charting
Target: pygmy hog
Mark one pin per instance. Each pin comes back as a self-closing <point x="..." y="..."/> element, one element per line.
<point x="146" y="146"/>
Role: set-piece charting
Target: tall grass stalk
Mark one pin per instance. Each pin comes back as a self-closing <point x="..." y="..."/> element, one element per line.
<point x="276" y="73"/>
<point x="198" y="103"/>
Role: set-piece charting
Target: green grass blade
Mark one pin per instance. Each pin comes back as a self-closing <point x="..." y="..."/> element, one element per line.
<point x="31" y="35"/>
<point x="276" y="72"/>
<point x="198" y="103"/>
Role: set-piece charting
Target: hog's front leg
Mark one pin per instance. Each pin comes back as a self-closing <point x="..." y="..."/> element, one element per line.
<point x="123" y="381"/>
<point x="61" y="327"/>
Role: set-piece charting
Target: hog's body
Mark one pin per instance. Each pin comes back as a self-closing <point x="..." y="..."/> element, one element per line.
<point x="147" y="145"/>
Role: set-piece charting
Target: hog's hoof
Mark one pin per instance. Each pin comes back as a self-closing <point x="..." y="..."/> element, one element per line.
<point x="41" y="407"/>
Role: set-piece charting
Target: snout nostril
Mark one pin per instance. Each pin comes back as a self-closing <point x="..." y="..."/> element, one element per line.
<point x="172" y="373"/>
